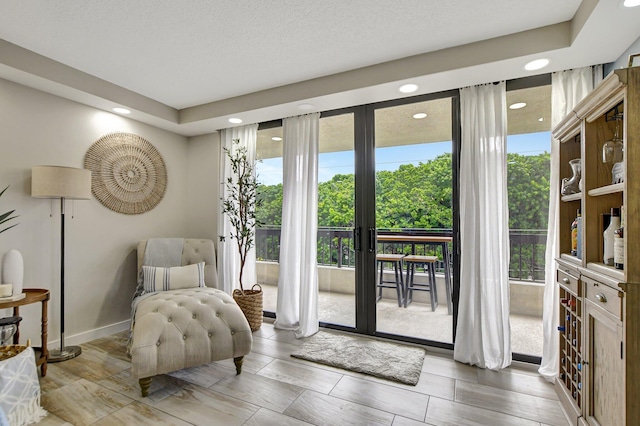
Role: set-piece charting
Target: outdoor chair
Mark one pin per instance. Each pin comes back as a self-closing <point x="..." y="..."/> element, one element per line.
<point x="398" y="282"/>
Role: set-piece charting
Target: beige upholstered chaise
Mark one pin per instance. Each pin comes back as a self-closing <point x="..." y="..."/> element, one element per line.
<point x="176" y="329"/>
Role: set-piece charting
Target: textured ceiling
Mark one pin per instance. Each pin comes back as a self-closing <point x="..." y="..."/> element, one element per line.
<point x="185" y="53"/>
<point x="189" y="65"/>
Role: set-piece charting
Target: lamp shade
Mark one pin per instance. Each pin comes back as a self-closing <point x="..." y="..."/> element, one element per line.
<point x="60" y="182"/>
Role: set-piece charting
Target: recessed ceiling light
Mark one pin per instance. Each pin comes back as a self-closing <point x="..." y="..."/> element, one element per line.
<point x="420" y="115"/>
<point x="518" y="105"/>
<point x="121" y="110"/>
<point x="537" y="64"/>
<point x="235" y="120"/>
<point x="276" y="138"/>
<point x="408" y="88"/>
<point x="306" y="106"/>
<point x="540" y="119"/>
<point x="631" y="3"/>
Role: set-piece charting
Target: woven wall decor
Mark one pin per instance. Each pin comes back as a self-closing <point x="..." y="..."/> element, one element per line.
<point x="128" y="174"/>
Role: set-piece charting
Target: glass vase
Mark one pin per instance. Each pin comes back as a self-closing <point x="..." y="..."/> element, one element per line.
<point x="571" y="185"/>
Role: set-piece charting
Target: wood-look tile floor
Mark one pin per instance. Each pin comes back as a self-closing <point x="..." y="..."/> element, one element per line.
<point x="276" y="389"/>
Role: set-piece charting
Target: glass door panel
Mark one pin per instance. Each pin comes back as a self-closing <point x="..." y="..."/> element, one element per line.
<point x="269" y="214"/>
<point x="414" y="219"/>
<point x="528" y="168"/>
<point x="336" y="216"/>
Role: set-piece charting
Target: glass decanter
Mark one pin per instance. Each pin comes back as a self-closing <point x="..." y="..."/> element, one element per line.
<point x="612" y="150"/>
<point x="572" y="185"/>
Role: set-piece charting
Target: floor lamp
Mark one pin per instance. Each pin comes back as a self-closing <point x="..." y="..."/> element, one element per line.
<point x="64" y="183"/>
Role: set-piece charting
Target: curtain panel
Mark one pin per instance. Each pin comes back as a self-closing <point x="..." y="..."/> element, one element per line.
<point x="567" y="89"/>
<point x="228" y="257"/>
<point x="297" y="306"/>
<point x="483" y="332"/>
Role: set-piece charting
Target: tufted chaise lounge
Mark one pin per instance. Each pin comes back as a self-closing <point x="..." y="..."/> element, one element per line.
<point x="184" y="328"/>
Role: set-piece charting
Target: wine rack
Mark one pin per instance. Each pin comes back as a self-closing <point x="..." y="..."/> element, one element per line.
<point x="571" y="343"/>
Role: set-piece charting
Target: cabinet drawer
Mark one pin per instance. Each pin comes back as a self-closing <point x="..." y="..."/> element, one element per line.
<point x="570" y="282"/>
<point x="604" y="296"/>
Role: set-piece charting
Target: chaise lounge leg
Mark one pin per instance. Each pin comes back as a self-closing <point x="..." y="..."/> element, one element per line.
<point x="238" y="362"/>
<point x="145" y="384"/>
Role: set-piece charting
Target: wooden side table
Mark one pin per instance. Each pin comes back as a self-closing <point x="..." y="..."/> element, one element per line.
<point x="33" y="295"/>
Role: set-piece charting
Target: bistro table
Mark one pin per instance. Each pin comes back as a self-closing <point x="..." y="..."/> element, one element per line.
<point x="432" y="240"/>
<point x="33" y="295"/>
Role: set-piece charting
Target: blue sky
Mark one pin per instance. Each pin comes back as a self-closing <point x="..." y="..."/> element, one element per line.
<point x="332" y="163"/>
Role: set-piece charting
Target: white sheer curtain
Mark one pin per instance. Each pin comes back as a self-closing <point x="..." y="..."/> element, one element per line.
<point x="228" y="257"/>
<point x="567" y="89"/>
<point x="483" y="333"/>
<point x="297" y="307"/>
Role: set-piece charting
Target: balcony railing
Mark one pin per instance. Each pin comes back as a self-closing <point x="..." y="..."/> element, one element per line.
<point x="336" y="248"/>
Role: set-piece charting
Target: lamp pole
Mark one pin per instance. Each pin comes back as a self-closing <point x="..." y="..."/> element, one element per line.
<point x="69" y="352"/>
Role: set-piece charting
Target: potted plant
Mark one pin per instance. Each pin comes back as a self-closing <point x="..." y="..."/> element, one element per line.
<point x="6" y="217"/>
<point x="240" y="207"/>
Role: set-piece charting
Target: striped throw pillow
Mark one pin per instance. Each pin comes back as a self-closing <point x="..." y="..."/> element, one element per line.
<point x="162" y="279"/>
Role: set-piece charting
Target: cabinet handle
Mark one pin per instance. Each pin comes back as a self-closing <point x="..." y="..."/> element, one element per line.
<point x="601" y="298"/>
<point x="566" y="280"/>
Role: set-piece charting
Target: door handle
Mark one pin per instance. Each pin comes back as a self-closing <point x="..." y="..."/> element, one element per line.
<point x="372" y="240"/>
<point x="357" y="244"/>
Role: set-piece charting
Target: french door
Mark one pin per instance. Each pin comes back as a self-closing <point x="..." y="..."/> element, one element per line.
<point x="404" y="166"/>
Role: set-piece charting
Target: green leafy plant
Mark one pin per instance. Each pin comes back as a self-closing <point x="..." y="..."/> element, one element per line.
<point x="241" y="202"/>
<point x="6" y="217"/>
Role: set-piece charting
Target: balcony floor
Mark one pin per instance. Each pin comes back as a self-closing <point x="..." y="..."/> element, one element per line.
<point x="417" y="320"/>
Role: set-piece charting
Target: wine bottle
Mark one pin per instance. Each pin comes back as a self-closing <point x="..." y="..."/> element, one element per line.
<point x="618" y="243"/>
<point x="579" y="237"/>
<point x="608" y="236"/>
<point x="574" y="235"/>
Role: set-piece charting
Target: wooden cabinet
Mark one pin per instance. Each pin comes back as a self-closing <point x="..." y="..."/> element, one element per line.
<point x="599" y="305"/>
<point x="604" y="369"/>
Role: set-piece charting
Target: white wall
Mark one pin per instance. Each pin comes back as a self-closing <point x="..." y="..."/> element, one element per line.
<point x="203" y="189"/>
<point x="623" y="60"/>
<point x="37" y="129"/>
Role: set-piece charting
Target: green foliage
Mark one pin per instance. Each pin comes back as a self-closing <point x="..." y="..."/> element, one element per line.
<point x="335" y="202"/>
<point x="415" y="196"/>
<point x="241" y="203"/>
<point x="421" y="196"/>
<point x="6" y="217"/>
<point x="270" y="197"/>
<point x="528" y="190"/>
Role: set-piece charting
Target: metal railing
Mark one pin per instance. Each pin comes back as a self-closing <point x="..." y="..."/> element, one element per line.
<point x="336" y="248"/>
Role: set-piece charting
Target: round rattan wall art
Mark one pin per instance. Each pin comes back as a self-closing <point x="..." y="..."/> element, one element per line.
<point x="128" y="174"/>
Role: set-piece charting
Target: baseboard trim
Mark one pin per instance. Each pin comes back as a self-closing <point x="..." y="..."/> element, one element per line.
<point x="87" y="336"/>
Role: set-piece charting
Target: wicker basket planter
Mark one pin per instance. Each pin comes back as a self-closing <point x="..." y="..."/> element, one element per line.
<point x="10" y="351"/>
<point x="250" y="302"/>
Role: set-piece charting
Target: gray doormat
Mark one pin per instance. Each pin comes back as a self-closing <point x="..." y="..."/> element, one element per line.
<point x="391" y="361"/>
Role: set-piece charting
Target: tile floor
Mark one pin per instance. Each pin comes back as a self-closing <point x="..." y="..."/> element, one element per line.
<point x="275" y="389"/>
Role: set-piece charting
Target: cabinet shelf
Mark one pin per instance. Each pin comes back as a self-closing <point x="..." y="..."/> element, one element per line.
<point x="616" y="274"/>
<point x="572" y="197"/>
<point x="571" y="258"/>
<point x="604" y="190"/>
